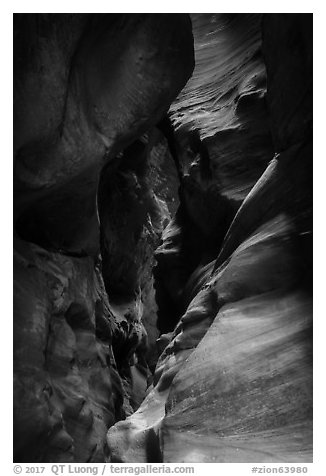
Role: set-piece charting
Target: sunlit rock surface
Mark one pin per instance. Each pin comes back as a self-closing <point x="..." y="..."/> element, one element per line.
<point x="234" y="380"/>
<point x="225" y="100"/>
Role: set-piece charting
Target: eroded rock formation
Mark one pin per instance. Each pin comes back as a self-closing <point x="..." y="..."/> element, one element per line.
<point x="87" y="87"/>
<point x="193" y="228"/>
<point x="233" y="383"/>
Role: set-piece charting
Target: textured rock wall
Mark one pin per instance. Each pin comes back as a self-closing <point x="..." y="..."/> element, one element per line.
<point x="234" y="381"/>
<point x="133" y="209"/>
<point x="86" y="88"/>
<point x="116" y="83"/>
<point x="98" y="174"/>
<point x="224" y="144"/>
<point x="67" y="390"/>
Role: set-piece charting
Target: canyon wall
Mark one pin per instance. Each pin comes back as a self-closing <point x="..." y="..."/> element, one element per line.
<point x="89" y="90"/>
<point x="234" y="381"/>
<point x="163" y="238"/>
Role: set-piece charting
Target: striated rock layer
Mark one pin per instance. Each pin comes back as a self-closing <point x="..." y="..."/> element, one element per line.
<point x="234" y="380"/>
<point x="193" y="227"/>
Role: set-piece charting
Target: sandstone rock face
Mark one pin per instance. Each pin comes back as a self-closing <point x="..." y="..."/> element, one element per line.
<point x="132" y="218"/>
<point x="67" y="388"/>
<point x="162" y="262"/>
<point x="225" y="144"/>
<point x="117" y="79"/>
<point x="225" y="100"/>
<point x="87" y="87"/>
<point x="234" y="381"/>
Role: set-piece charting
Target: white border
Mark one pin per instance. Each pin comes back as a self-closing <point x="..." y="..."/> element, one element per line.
<point x="61" y="6"/>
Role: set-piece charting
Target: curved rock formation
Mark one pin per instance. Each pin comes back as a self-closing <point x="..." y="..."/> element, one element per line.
<point x="234" y="382"/>
<point x="163" y="238"/>
<point x="86" y="88"/>
<point x="116" y="83"/>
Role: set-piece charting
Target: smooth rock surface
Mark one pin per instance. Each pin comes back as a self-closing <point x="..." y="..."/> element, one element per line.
<point x="234" y="382"/>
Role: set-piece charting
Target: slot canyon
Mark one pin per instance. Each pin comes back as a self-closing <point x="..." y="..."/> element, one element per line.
<point x="162" y="238"/>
